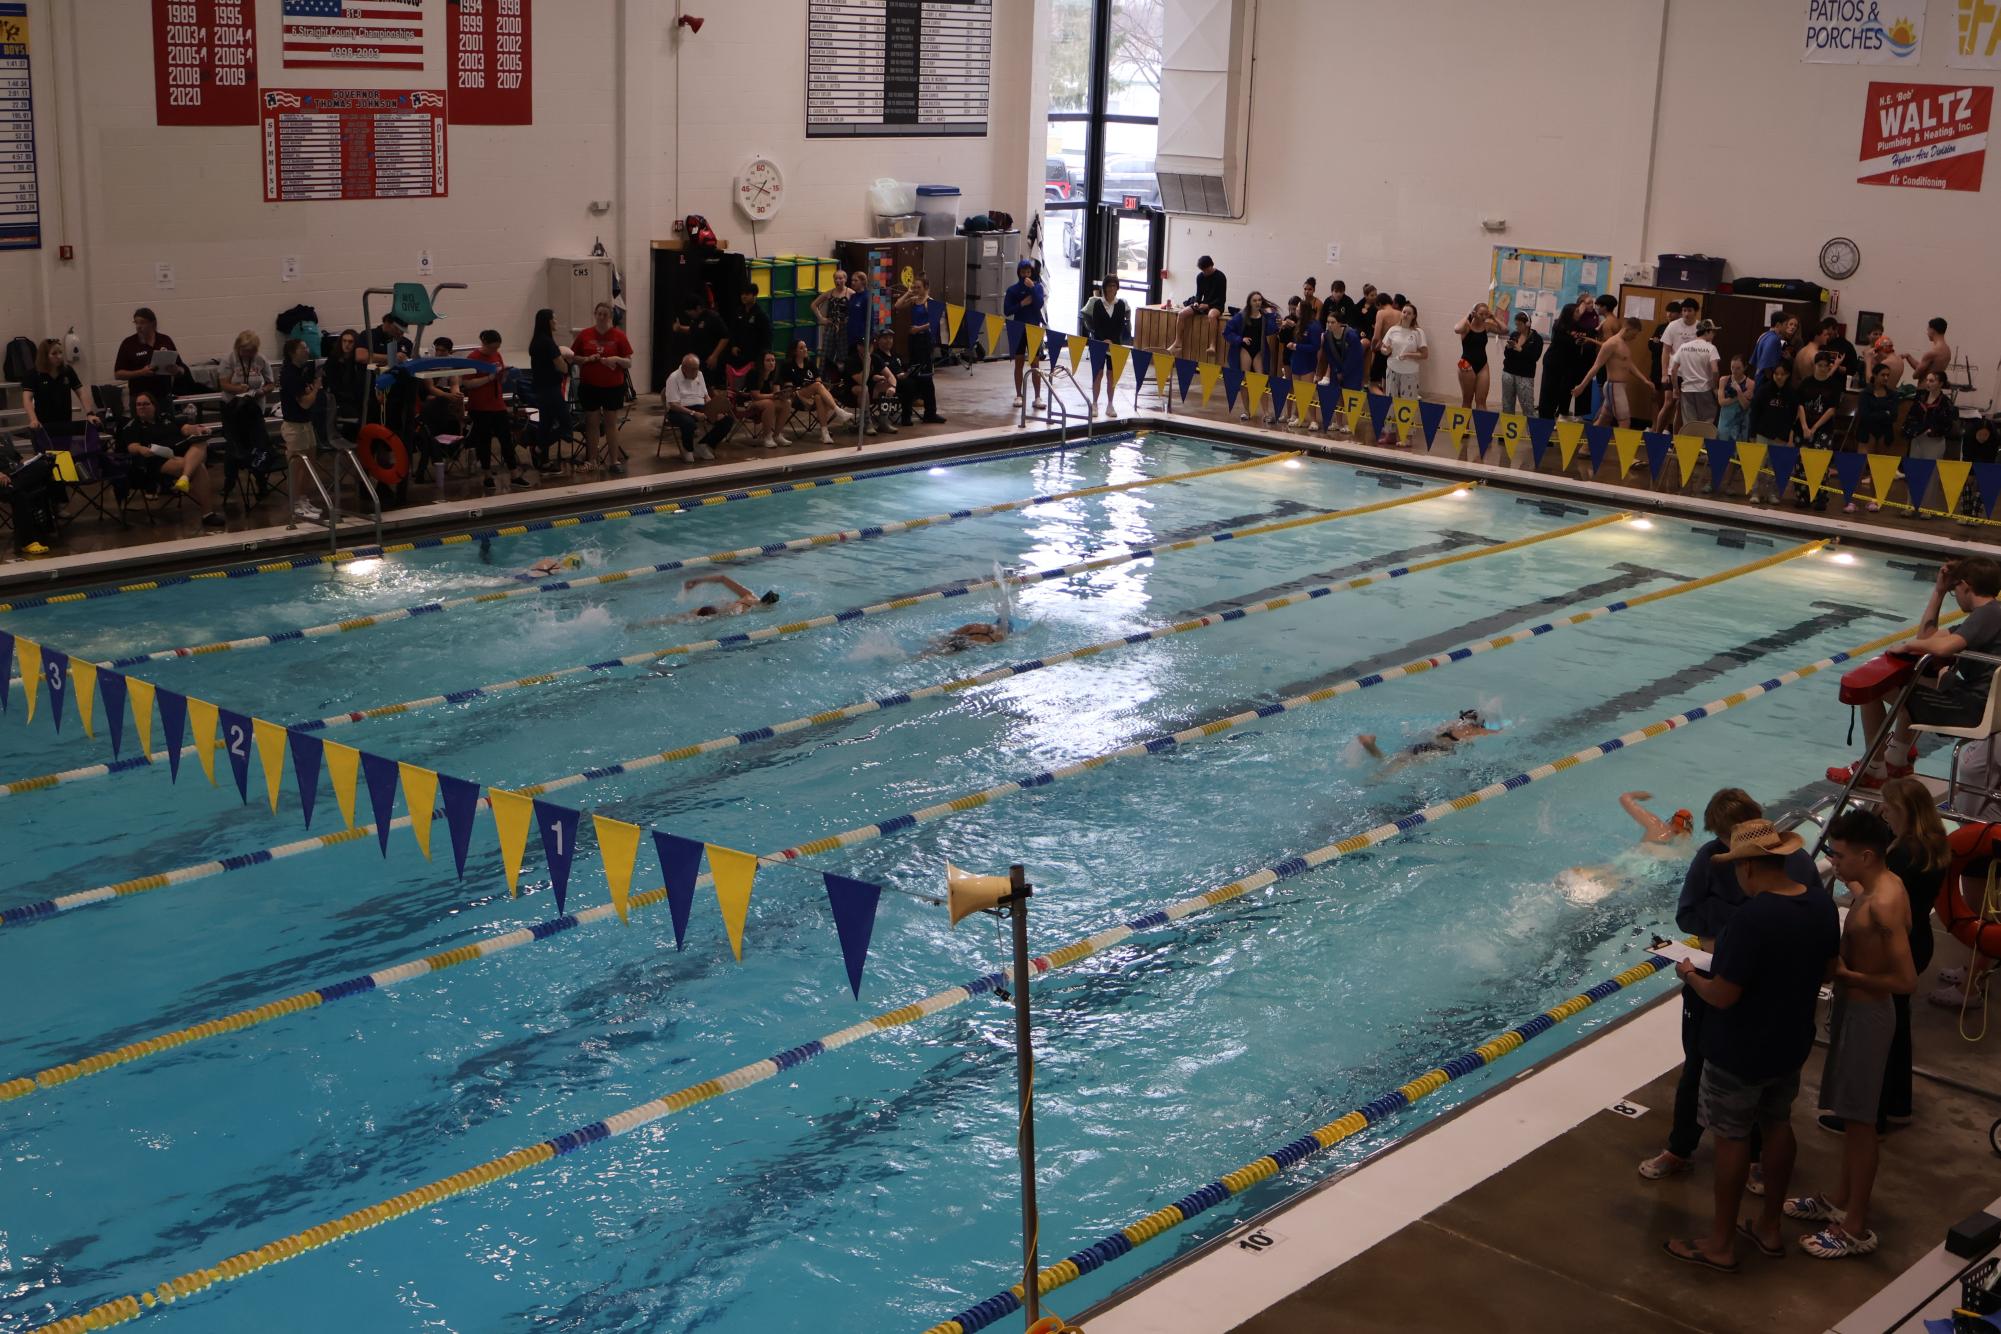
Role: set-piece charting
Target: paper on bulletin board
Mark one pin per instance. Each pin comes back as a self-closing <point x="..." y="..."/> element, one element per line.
<point x="1640" y="307"/>
<point x="1587" y="273"/>
<point x="1508" y="273"/>
<point x="1541" y="282"/>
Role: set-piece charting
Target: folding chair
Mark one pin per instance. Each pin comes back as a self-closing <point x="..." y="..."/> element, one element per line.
<point x="89" y="472"/>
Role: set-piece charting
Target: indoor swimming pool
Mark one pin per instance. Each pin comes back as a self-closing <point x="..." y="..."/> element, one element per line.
<point x="871" y="1186"/>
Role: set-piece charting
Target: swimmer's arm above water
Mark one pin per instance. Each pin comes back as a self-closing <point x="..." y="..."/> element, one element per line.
<point x="723" y="579"/>
<point x="1657" y="828"/>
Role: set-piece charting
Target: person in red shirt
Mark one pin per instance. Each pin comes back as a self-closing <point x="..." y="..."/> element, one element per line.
<point x="491" y="421"/>
<point x="603" y="354"/>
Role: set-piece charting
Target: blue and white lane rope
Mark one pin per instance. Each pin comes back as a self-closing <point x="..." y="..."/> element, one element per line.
<point x="348" y="554"/>
<point x="865" y="534"/>
<point x="43" y="909"/>
<point x="1232" y="1184"/>
<point x="121" y="1309"/>
<point x="414" y="968"/>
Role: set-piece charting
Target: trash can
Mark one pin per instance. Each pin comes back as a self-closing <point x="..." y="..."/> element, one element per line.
<point x="940" y="206"/>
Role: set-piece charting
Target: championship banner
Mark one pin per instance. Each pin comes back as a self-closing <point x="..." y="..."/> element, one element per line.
<point x="1925" y="136"/>
<point x="492" y="62"/>
<point x="1863" y="32"/>
<point x="205" y="62"/>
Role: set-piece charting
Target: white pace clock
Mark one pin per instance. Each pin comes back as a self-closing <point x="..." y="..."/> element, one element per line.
<point x="760" y="189"/>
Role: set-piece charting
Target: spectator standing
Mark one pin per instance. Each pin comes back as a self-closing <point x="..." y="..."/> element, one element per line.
<point x="830" y="308"/>
<point x="1876" y="419"/>
<point x="701" y="330"/>
<point x="685" y="399"/>
<point x="1931" y="424"/>
<point x="1474" y="375"/>
<point x="917" y="385"/>
<point x="1518" y="362"/>
<point x="1846" y="364"/>
<point x="1405" y="352"/>
<point x="1024" y="305"/>
<point x="1919" y="858"/>
<point x="1615" y="359"/>
<point x="1817" y="403"/>
<point x="1764" y="984"/>
<point x="1937" y="354"/>
<point x="161" y="449"/>
<point x="1341" y="359"/>
<point x="750" y="333"/>
<point x="492" y="423"/>
<point x="1774" y="419"/>
<point x="1387" y="315"/>
<point x="604" y="353"/>
<point x="1244" y="340"/>
<point x="1344" y="305"/>
<point x="1677" y="332"/>
<point x="549" y="379"/>
<point x="1561" y="364"/>
<point x="299" y="405"/>
<point x="350" y="379"/>
<point x="1106" y="318"/>
<point x="1770" y="349"/>
<point x="1207" y="307"/>
<point x="55" y="394"/>
<point x="1693" y="373"/>
<point x="134" y="362"/>
<point x="1733" y="415"/>
<point x="1874" y="964"/>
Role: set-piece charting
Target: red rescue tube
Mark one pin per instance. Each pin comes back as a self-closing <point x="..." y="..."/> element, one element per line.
<point x="380" y="451"/>
<point x="1878" y="678"/>
<point x="1975" y="849"/>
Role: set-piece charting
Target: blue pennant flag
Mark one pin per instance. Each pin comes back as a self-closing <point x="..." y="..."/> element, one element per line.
<point x="1785" y="461"/>
<point x="1918" y="474"/>
<point x="1721" y="451"/>
<point x="1597" y="439"/>
<point x="1184" y="374"/>
<point x="55" y="670"/>
<point x="236" y="745"/>
<point x="173" y="728"/>
<point x="1987" y="477"/>
<point x="1659" y="446"/>
<point x="1848" y="469"/>
<point x="111" y="688"/>
<point x="1017" y="338"/>
<point x="380" y="775"/>
<point x="1233" y="384"/>
<point x="461" y="803"/>
<point x="1540" y="431"/>
<point x="1379" y="412"/>
<point x="1281" y="396"/>
<point x="1100" y="353"/>
<point x="1330" y="401"/>
<point x="1142" y="366"/>
<point x="6" y="667"/>
<point x="680" y="864"/>
<point x="1484" y="423"/>
<point x="854" y="904"/>
<point x="559" y="844"/>
<point x="1430" y="414"/>
<point x="307" y="752"/>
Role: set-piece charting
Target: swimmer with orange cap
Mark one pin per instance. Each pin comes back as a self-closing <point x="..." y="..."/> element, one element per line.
<point x="1661" y="841"/>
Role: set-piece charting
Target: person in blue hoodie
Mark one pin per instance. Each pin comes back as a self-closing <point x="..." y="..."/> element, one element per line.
<point x="1022" y="306"/>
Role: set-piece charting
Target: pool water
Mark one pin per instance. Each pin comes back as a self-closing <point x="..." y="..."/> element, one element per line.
<point x="873" y="1187"/>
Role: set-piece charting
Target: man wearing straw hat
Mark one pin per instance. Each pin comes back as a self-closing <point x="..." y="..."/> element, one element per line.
<point x="1763" y="984"/>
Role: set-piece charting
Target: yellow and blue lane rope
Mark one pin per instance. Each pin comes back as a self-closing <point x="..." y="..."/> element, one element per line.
<point x="347" y="555"/>
<point x="122" y="1309"/>
<point x="42" y="909"/>
<point x="866" y="534"/>
<point x="1232" y="1184"/>
<point x="403" y="972"/>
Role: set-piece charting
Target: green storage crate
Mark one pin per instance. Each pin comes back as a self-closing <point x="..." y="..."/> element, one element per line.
<point x="784" y="309"/>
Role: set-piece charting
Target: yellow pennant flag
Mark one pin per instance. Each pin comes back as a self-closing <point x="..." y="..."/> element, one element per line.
<point x="1627" y="443"/>
<point x="1951" y="479"/>
<point x="420" y="797"/>
<point x="1688" y="453"/>
<point x="1511" y="432"/>
<point x="1032" y="336"/>
<point x="1354" y="406"/>
<point x="996" y="336"/>
<point x="201" y="721"/>
<point x="83" y="684"/>
<point x="1405" y="416"/>
<point x="31" y="671"/>
<point x="139" y="694"/>
<point x="1254" y="390"/>
<point x="1813" y="466"/>
<point x="512" y="814"/>
<point x="1750" y="460"/>
<point x="618" y="844"/>
<point x="954" y="317"/>
<point x="1305" y="397"/>
<point x="734" y="873"/>
<point x="1078" y="346"/>
<point x="1208" y="372"/>
<point x="1458" y="421"/>
<point x="270" y="740"/>
<point x="1119" y="357"/>
<point x="1883" y="474"/>
<point x="342" y="763"/>
<point x="1569" y="435"/>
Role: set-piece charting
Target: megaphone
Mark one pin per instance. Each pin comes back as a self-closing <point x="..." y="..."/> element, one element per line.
<point x="690" y="22"/>
<point x="967" y="893"/>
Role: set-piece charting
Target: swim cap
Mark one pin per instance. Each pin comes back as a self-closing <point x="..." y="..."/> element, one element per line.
<point x="1470" y="716"/>
<point x="573" y="561"/>
<point x="770" y="597"/>
<point x="1684" y="821"/>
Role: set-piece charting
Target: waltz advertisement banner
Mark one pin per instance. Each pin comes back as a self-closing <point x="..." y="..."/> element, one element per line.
<point x="1925" y="136"/>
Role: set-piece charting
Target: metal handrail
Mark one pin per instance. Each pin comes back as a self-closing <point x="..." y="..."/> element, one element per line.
<point x="331" y="512"/>
<point x="1057" y="372"/>
<point x="368" y="487"/>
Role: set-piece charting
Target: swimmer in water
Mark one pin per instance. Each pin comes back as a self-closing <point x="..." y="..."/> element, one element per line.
<point x="979" y="634"/>
<point x="744" y="601"/>
<point x="1468" y="726"/>
<point x="1660" y="841"/>
<point x="551" y="565"/>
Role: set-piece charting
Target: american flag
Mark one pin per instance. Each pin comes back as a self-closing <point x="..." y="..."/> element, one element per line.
<point x="341" y="34"/>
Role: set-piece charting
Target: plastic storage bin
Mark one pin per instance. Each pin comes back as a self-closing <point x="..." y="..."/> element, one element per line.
<point x="940" y="206"/>
<point x="899" y="226"/>
<point x="1690" y="273"/>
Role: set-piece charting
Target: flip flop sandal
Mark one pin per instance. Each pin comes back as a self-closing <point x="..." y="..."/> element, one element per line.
<point x="1750" y="1234"/>
<point x="1696" y="1257"/>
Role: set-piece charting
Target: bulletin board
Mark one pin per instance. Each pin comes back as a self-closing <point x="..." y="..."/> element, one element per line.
<point x="1543" y="282"/>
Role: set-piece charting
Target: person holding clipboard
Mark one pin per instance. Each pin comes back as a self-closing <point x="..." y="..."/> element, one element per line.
<point x="147" y="360"/>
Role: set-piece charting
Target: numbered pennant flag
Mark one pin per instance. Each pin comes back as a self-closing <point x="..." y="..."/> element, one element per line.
<point x="1814" y="464"/>
<point x="343" y="767"/>
<point x="996" y="330"/>
<point x="201" y="721"/>
<point x="1100" y="353"/>
<point x="1233" y="384"/>
<point x="1432" y="415"/>
<point x="1918" y="477"/>
<point x="1785" y="460"/>
<point x="559" y="844"/>
<point x="380" y="776"/>
<point x="269" y="739"/>
<point x="1210" y="373"/>
<point x="83" y="681"/>
<point x="1750" y="460"/>
<point x="1458" y="422"/>
<point x="618" y="848"/>
<point x="1379" y="413"/>
<point x="236" y="745"/>
<point x="55" y="670"/>
<point x="420" y="799"/>
<point x="1597" y="440"/>
<point x="1848" y="471"/>
<point x="1687" y="453"/>
<point x="112" y="684"/>
<point x="6" y="668"/>
<point x="1987" y="479"/>
<point x="1951" y="479"/>
<point x="461" y="803"/>
<point x="1720" y="452"/>
<point x="1404" y="412"/>
<point x="734" y="872"/>
<point x="512" y="814"/>
<point x="1331" y="397"/>
<point x="173" y="728"/>
<point x="1569" y="435"/>
<point x="1627" y="442"/>
<point x="1658" y="447"/>
<point x="308" y="751"/>
<point x="1078" y="346"/>
<point x="1255" y="383"/>
<point x="30" y="654"/>
<point x="954" y="317"/>
<point x="854" y="904"/>
<point x="1033" y="334"/>
<point x="1142" y="366"/>
<point x="680" y="867"/>
<point x="1354" y="404"/>
<point x="1184" y="375"/>
<point x="1484" y="423"/>
<point x="1118" y="356"/>
<point x="1882" y="475"/>
<point x="1540" y="430"/>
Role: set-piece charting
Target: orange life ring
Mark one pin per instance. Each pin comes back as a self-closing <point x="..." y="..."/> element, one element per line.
<point x="1976" y="848"/>
<point x="369" y="446"/>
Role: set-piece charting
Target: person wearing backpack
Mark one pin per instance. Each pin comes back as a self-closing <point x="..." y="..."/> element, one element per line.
<point x="1106" y="318"/>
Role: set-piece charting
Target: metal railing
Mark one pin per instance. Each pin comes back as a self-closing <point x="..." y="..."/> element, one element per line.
<point x="1055" y="375"/>
<point x="329" y="496"/>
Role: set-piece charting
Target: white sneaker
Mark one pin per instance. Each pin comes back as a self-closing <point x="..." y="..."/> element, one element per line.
<point x="889" y="427"/>
<point x="704" y="453"/>
<point x="772" y="442"/>
<point x="308" y="511"/>
<point x="687" y="456"/>
<point x="1036" y="405"/>
<point x="825" y="437"/>
<point x="1017" y="400"/>
<point x="842" y="417"/>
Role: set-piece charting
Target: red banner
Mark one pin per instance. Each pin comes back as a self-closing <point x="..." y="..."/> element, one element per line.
<point x="205" y="62"/>
<point x="349" y="143"/>
<point x="1925" y="136"/>
<point x="491" y="64"/>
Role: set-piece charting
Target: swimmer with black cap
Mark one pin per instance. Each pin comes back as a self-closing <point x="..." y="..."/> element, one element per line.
<point x="744" y="601"/>
<point x="1468" y="726"/>
<point x="980" y="634"/>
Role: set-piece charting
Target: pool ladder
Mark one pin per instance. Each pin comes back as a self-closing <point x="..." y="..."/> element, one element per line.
<point x="330" y="495"/>
<point x="1057" y="373"/>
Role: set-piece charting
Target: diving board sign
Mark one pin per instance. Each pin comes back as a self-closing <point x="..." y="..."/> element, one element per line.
<point x="20" y="188"/>
<point x="350" y="143"/>
<point x="205" y="62"/>
<point x="898" y="68"/>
